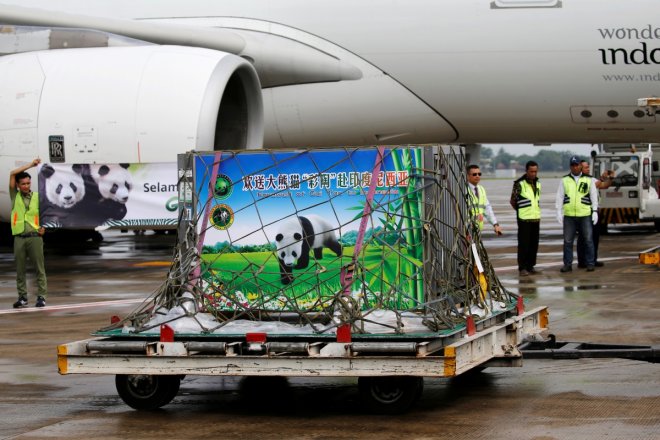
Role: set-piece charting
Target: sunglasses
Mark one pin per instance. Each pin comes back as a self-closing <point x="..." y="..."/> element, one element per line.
<point x="476" y="174"/>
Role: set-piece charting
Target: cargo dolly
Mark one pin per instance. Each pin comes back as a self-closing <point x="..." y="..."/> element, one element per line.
<point x="149" y="365"/>
<point x="389" y="368"/>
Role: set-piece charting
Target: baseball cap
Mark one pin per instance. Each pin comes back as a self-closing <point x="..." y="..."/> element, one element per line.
<point x="575" y="160"/>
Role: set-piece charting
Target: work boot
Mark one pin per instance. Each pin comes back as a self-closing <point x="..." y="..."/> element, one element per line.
<point x="523" y="273"/>
<point x="590" y="269"/>
<point x="22" y="302"/>
<point x="41" y="302"/>
<point x="566" y="269"/>
<point x="599" y="264"/>
<point x="533" y="271"/>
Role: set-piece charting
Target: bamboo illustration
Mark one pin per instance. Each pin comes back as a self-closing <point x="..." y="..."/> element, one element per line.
<point x="412" y="221"/>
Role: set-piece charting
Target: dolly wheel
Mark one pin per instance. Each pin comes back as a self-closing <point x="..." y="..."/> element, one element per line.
<point x="390" y="395"/>
<point x="147" y="392"/>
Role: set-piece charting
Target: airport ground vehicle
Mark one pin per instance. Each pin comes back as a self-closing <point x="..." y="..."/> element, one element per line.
<point x="390" y="369"/>
<point x="634" y="194"/>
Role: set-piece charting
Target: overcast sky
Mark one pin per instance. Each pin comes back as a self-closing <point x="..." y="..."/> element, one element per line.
<point x="518" y="149"/>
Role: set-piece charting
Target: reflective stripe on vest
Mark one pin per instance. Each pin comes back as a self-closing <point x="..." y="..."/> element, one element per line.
<point x="478" y="205"/>
<point x="19" y="215"/>
<point x="577" y="201"/>
<point x="528" y="203"/>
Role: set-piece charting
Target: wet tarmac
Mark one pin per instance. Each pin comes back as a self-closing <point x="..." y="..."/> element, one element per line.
<point x="568" y="399"/>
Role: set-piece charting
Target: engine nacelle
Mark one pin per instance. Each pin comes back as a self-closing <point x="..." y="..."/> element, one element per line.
<point x="124" y="104"/>
<point x="128" y="104"/>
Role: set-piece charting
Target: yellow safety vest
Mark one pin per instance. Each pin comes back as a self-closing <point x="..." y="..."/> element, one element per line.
<point x="19" y="216"/>
<point x="577" y="201"/>
<point x="478" y="205"/>
<point x="528" y="202"/>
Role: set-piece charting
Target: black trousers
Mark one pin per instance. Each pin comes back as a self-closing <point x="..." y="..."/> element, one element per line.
<point x="528" y="244"/>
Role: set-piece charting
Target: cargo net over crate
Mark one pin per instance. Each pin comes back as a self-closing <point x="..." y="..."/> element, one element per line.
<point x="380" y="240"/>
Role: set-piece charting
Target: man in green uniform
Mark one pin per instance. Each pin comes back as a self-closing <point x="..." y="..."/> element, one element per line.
<point x="27" y="233"/>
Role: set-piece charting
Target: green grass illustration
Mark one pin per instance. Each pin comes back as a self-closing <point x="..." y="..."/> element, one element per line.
<point x="256" y="275"/>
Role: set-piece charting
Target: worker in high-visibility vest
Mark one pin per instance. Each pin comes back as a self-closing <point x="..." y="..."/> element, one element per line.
<point x="577" y="209"/>
<point x="479" y="204"/>
<point x="28" y="233"/>
<point x="525" y="199"/>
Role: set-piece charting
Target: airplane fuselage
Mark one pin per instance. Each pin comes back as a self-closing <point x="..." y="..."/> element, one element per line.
<point x="478" y="70"/>
<point x="485" y="71"/>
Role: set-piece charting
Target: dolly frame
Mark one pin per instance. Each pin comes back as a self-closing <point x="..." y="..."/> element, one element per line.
<point x="249" y="356"/>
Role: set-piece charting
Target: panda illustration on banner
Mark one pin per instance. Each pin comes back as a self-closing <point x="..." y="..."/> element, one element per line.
<point x="112" y="184"/>
<point x="83" y="195"/>
<point x="63" y="188"/>
<point x="296" y="236"/>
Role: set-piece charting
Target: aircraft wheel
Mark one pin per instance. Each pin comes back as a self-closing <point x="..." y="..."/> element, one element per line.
<point x="147" y="392"/>
<point x="390" y="395"/>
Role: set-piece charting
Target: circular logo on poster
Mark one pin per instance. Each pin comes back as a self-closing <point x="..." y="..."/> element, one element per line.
<point x="222" y="217"/>
<point x="223" y="187"/>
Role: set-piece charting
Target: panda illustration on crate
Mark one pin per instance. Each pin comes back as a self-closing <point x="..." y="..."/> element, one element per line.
<point x="61" y="188"/>
<point x="296" y="236"/>
<point x="108" y="187"/>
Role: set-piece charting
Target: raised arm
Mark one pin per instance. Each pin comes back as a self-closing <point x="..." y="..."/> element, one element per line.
<point x="12" y="173"/>
<point x="605" y="180"/>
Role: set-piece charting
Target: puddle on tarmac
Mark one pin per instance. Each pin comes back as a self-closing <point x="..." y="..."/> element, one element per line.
<point x="532" y="290"/>
<point x="589" y="287"/>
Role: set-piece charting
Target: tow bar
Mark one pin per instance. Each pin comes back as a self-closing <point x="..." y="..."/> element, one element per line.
<point x="553" y="349"/>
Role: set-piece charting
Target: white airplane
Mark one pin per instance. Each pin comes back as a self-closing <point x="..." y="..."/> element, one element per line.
<point x="92" y="81"/>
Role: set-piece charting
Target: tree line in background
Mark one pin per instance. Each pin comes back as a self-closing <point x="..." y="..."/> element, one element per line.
<point x="548" y="160"/>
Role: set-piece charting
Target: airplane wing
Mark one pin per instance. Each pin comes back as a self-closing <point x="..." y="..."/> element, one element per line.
<point x="278" y="61"/>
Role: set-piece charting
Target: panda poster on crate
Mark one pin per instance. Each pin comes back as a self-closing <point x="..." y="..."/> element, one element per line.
<point x="85" y="196"/>
<point x="279" y="227"/>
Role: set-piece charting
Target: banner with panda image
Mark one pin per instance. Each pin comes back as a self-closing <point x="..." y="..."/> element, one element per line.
<point x="86" y="196"/>
<point x="281" y="225"/>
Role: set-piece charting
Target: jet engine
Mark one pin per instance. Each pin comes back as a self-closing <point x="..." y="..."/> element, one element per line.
<point x="127" y="104"/>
